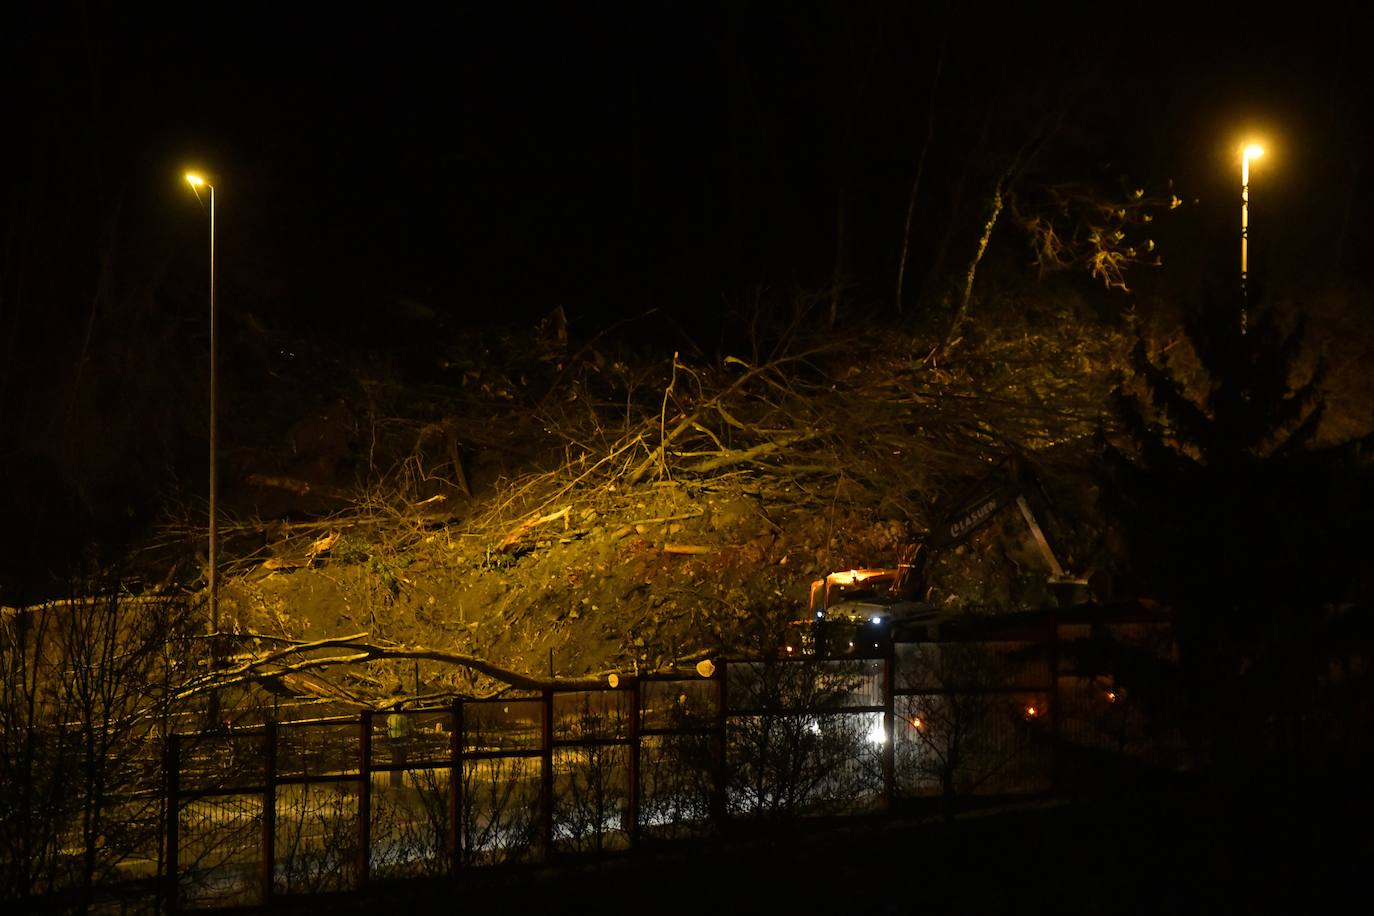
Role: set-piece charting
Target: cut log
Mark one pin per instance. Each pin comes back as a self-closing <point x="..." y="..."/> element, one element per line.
<point x="689" y="549"/>
<point x="525" y="527"/>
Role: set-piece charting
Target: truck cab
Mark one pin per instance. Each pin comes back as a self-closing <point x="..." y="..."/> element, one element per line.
<point x="858" y="611"/>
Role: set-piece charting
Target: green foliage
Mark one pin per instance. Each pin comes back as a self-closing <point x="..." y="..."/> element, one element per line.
<point x="381" y="565"/>
<point x="350" y="551"/>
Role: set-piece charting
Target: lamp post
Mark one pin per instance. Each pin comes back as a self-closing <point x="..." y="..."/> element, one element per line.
<point x="1252" y="151"/>
<point x="196" y="182"/>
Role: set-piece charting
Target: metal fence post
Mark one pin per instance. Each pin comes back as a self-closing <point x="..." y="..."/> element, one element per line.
<point x="457" y="740"/>
<point x="889" y="724"/>
<point x="1052" y="662"/>
<point x="546" y="779"/>
<point x="718" y="806"/>
<point x="364" y="862"/>
<point x="268" y="849"/>
<point x="636" y="696"/>
<point x="172" y="773"/>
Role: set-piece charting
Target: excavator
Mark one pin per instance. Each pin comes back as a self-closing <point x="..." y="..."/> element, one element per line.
<point x="859" y="611"/>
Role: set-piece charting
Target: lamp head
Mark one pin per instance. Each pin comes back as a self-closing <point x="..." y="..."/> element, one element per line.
<point x="1253" y="151"/>
<point x="195" y="180"/>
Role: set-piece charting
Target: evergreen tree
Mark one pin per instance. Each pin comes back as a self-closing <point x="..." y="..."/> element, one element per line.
<point x="1208" y="487"/>
<point x="1233" y="515"/>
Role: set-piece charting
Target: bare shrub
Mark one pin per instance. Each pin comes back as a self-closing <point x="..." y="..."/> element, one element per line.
<point x="970" y="725"/>
<point x="86" y="689"/>
<point x="679" y="770"/>
<point x="794" y="748"/>
<point x="591" y="776"/>
<point x="317" y="838"/>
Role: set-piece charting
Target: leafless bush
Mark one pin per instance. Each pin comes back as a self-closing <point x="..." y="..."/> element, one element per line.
<point x="679" y="771"/>
<point x="498" y="817"/>
<point x="500" y="804"/>
<point x="972" y="725"/>
<point x="793" y="747"/>
<point x="219" y="847"/>
<point x="317" y="838"/>
<point x="591" y="779"/>
<point x="410" y="833"/>
<point x="86" y="689"/>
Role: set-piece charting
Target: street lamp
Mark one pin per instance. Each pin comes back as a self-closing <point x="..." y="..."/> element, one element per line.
<point x="197" y="182"/>
<point x="1251" y="151"/>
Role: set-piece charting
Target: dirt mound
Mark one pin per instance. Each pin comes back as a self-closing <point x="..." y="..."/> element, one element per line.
<point x="638" y="581"/>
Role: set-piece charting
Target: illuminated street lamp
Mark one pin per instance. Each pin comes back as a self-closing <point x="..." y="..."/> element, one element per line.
<point x="1252" y="151"/>
<point x="197" y="182"/>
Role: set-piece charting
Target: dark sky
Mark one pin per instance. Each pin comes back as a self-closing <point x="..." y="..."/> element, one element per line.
<point x="506" y="158"/>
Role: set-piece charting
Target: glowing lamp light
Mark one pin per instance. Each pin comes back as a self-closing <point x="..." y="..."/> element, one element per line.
<point x="1253" y="151"/>
<point x="195" y="180"/>
<point x="1111" y="696"/>
<point x="1032" y="712"/>
<point x="917" y="723"/>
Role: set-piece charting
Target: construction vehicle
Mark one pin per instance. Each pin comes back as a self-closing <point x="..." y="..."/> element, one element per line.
<point x="860" y="611"/>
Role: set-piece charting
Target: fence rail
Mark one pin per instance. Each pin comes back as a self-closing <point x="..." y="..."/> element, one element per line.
<point x="301" y="807"/>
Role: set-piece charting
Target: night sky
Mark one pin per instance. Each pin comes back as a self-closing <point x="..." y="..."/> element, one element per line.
<point x="616" y="157"/>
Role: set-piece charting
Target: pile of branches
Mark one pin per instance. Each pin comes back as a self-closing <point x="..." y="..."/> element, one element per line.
<point x="860" y="417"/>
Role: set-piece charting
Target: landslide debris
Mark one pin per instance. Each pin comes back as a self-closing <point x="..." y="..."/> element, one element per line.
<point x="568" y="508"/>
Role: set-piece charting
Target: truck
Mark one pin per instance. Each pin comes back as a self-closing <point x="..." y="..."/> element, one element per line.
<point x="859" y="611"/>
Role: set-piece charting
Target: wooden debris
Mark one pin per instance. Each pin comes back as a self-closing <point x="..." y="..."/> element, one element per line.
<point x="690" y="549"/>
<point x="299" y="487"/>
<point x="286" y="563"/>
<point x="323" y="544"/>
<point x="455" y="455"/>
<point x="295" y="657"/>
<point x="526" y="526"/>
